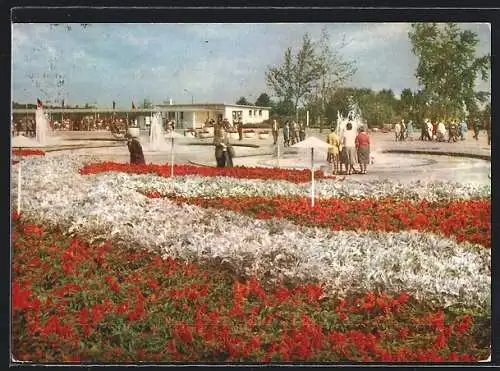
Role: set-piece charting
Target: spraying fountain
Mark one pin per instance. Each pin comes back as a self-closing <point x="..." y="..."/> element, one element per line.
<point x="354" y="117"/>
<point x="157" y="134"/>
<point x="42" y="126"/>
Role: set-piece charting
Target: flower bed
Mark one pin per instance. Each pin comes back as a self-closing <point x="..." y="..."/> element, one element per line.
<point x="464" y="220"/>
<point x="236" y="172"/>
<point x="75" y="301"/>
<point x="27" y="152"/>
<point x="439" y="273"/>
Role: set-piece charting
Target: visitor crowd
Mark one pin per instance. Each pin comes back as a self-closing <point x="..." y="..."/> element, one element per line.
<point x="348" y="149"/>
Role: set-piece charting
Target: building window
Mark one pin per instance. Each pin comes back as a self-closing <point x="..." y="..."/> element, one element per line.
<point x="260" y="112"/>
<point x="182" y="115"/>
<point x="250" y="113"/>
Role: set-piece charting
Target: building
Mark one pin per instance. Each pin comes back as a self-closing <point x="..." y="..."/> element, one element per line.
<point x="195" y="115"/>
<point x="185" y="115"/>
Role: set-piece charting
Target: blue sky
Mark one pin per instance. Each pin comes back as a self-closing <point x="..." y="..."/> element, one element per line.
<point x="215" y="62"/>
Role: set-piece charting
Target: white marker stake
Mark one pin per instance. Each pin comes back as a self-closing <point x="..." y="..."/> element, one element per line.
<point x="19" y="188"/>
<point x="172" y="164"/>
<point x="278" y="154"/>
<point x="312" y="177"/>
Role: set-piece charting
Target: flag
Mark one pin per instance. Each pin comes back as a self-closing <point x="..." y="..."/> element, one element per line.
<point x="114" y="104"/>
<point x="38" y="103"/>
<point x="133" y="105"/>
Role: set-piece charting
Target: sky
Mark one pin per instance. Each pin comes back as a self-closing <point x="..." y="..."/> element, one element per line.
<point x="215" y="63"/>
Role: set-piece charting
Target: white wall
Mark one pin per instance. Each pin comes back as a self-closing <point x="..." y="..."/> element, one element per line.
<point x="250" y="115"/>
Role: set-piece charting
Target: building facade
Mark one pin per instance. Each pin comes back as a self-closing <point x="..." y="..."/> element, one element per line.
<point x="185" y="115"/>
<point x="195" y="115"/>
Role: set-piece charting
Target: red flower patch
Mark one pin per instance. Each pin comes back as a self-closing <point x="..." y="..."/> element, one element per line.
<point x="466" y="220"/>
<point x="241" y="172"/>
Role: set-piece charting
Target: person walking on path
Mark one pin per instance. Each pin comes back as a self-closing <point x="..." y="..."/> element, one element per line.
<point x="295" y="132"/>
<point x="286" y="134"/>
<point x="240" y="129"/>
<point x="476" y="128"/>
<point x="334" y="151"/>
<point x="363" y="149"/>
<point x="397" y="131"/>
<point x="409" y="130"/>
<point x="275" y="130"/>
<point x="302" y="131"/>
<point x="463" y="129"/>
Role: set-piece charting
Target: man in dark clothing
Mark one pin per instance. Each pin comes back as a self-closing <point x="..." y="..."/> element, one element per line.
<point x="476" y="129"/>
<point x="135" y="150"/>
<point x="240" y="129"/>
<point x="302" y="131"/>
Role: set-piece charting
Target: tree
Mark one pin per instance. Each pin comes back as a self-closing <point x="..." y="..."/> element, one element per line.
<point x="335" y="71"/>
<point x="298" y="75"/>
<point x="243" y="102"/>
<point x="448" y="67"/>
<point x="263" y="100"/>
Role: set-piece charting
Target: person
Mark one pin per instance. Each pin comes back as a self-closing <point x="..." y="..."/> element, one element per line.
<point x="423" y="131"/>
<point x="463" y="129"/>
<point x="295" y="132"/>
<point x="302" y="131"/>
<point x="409" y="130"/>
<point x="403" y="131"/>
<point x="476" y="129"/>
<point x="135" y="150"/>
<point x="363" y="149"/>
<point x="397" y="131"/>
<point x="286" y="134"/>
<point x="334" y="151"/>
<point x="275" y="129"/>
<point x="440" y="131"/>
<point x="453" y="131"/>
<point x="350" y="148"/>
<point x="240" y="129"/>
<point x="434" y="130"/>
<point x="219" y="133"/>
<point x="429" y="130"/>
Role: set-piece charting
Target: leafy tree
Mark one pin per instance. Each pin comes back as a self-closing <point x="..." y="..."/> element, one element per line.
<point x="298" y="75"/>
<point x="243" y="102"/>
<point x="448" y="67"/>
<point x="263" y="100"/>
<point x="335" y="71"/>
<point x="283" y="108"/>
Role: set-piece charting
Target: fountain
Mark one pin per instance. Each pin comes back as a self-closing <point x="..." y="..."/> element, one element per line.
<point x="42" y="126"/>
<point x="156" y="135"/>
<point x="354" y="117"/>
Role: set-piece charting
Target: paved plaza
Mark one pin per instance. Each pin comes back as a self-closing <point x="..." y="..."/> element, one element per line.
<point x="462" y="161"/>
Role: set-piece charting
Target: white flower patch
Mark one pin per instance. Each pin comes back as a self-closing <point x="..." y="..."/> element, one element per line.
<point x="108" y="206"/>
<point x="197" y="186"/>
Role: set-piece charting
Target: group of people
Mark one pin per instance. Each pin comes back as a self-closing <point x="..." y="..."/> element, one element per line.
<point x="351" y="148"/>
<point x="434" y="131"/>
<point x="403" y="131"/>
<point x="293" y="132"/>
<point x="454" y="130"/>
